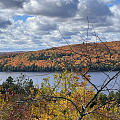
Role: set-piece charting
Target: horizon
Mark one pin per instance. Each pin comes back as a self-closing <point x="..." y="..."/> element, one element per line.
<point x="49" y="48"/>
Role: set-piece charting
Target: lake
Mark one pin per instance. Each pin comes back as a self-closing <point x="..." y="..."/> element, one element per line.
<point x="96" y="77"/>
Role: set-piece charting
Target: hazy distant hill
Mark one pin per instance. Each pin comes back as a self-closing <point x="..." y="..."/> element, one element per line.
<point x="97" y="56"/>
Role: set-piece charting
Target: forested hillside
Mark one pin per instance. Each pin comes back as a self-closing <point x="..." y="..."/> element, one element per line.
<point x="97" y="56"/>
<point x="73" y="95"/>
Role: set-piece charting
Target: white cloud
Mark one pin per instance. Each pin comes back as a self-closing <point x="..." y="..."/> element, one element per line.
<point x="114" y="19"/>
<point x="108" y="1"/>
<point x="40" y="24"/>
<point x="70" y="16"/>
<point x="52" y="8"/>
<point x="115" y="9"/>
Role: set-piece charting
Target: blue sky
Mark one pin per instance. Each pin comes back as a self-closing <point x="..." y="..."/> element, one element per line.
<point x="118" y="1"/>
<point x="21" y="17"/>
<point x="27" y="25"/>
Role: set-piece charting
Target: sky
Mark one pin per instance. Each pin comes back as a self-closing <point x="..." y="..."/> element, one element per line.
<point x="29" y="25"/>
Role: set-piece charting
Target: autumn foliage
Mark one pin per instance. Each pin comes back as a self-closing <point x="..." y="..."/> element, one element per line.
<point x="66" y="99"/>
<point x="72" y="96"/>
<point x="96" y="56"/>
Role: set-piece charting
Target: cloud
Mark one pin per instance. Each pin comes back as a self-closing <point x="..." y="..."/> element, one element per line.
<point x="6" y="4"/>
<point x="115" y="9"/>
<point x="40" y="25"/>
<point x="108" y="1"/>
<point x="27" y="35"/>
<point x="93" y="9"/>
<point x="115" y="19"/>
<point x="52" y="8"/>
<point x="98" y="13"/>
<point x="4" y="23"/>
<point x="33" y="24"/>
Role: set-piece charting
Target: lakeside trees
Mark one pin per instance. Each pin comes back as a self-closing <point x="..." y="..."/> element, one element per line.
<point x="69" y="98"/>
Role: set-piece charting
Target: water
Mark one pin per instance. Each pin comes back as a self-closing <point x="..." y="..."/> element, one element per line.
<point x="96" y="77"/>
<point x="37" y="77"/>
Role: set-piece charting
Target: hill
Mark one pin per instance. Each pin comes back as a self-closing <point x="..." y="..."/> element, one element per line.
<point x="97" y="56"/>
